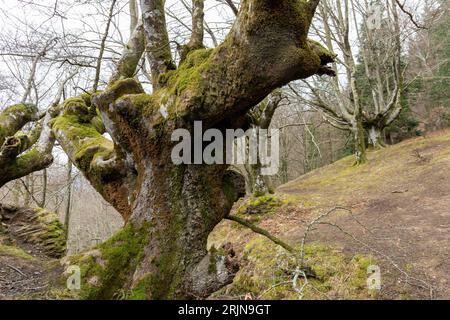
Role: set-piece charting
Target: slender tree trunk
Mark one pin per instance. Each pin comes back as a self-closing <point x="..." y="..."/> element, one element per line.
<point x="260" y="185"/>
<point x="102" y="47"/>
<point x="28" y="183"/>
<point x="331" y="145"/>
<point x="44" y="188"/>
<point x="16" y="193"/>
<point x="134" y="16"/>
<point x="67" y="212"/>
<point x="359" y="143"/>
<point x="375" y="138"/>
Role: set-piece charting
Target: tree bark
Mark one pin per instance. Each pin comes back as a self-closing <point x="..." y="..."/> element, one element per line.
<point x="68" y="208"/>
<point x="260" y="185"/>
<point x="184" y="204"/>
<point x="23" y="153"/>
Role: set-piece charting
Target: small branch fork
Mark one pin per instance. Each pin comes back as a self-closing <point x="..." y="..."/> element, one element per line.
<point x="409" y="14"/>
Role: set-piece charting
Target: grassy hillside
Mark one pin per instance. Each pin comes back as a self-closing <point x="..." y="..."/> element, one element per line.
<point x="397" y="216"/>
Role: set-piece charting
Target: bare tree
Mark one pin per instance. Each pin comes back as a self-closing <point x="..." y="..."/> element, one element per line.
<point x="341" y="99"/>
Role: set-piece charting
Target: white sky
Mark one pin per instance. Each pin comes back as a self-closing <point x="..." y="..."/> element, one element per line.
<point x="29" y="20"/>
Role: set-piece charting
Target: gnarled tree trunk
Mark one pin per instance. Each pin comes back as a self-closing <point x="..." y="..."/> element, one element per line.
<point x="171" y="209"/>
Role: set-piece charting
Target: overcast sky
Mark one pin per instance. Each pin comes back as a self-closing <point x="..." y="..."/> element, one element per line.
<point x="28" y="20"/>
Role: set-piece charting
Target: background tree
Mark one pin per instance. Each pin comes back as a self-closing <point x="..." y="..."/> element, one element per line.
<point x="367" y="97"/>
<point x="381" y="83"/>
<point x="260" y="118"/>
<point x="429" y="68"/>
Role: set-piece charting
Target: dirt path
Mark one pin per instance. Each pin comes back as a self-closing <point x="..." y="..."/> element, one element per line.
<point x="400" y="206"/>
<point x="22" y="278"/>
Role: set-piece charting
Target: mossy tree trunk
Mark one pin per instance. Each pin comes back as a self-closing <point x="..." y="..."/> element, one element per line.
<point x="183" y="204"/>
<point x="172" y="208"/>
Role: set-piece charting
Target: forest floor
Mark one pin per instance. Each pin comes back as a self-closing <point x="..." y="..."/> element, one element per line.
<point x="25" y="273"/>
<point x="399" y="218"/>
<point x="27" y="269"/>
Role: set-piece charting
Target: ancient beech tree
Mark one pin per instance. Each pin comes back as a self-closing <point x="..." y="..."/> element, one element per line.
<point x="171" y="209"/>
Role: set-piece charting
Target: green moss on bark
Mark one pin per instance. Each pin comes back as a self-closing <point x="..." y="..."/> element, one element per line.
<point x="106" y="270"/>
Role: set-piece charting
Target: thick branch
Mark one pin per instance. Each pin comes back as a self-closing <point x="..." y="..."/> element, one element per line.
<point x="313" y="4"/>
<point x="158" y="47"/>
<point x="93" y="154"/>
<point x="13" y="146"/>
<point x="13" y="118"/>
<point x="134" y="15"/>
<point x="23" y="153"/>
<point x="197" y="35"/>
<point x="132" y="53"/>
<point x="30" y="161"/>
<point x="250" y="64"/>
<point x="217" y="85"/>
<point x="197" y="24"/>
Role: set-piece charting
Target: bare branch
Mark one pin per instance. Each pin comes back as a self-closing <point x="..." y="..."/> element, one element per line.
<point x="132" y="54"/>
<point x="102" y="46"/>
<point x="410" y="15"/>
<point x="158" y="46"/>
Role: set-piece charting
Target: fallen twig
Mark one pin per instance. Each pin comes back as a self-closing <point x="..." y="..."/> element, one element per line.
<point x="17" y="270"/>
<point x="262" y="232"/>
